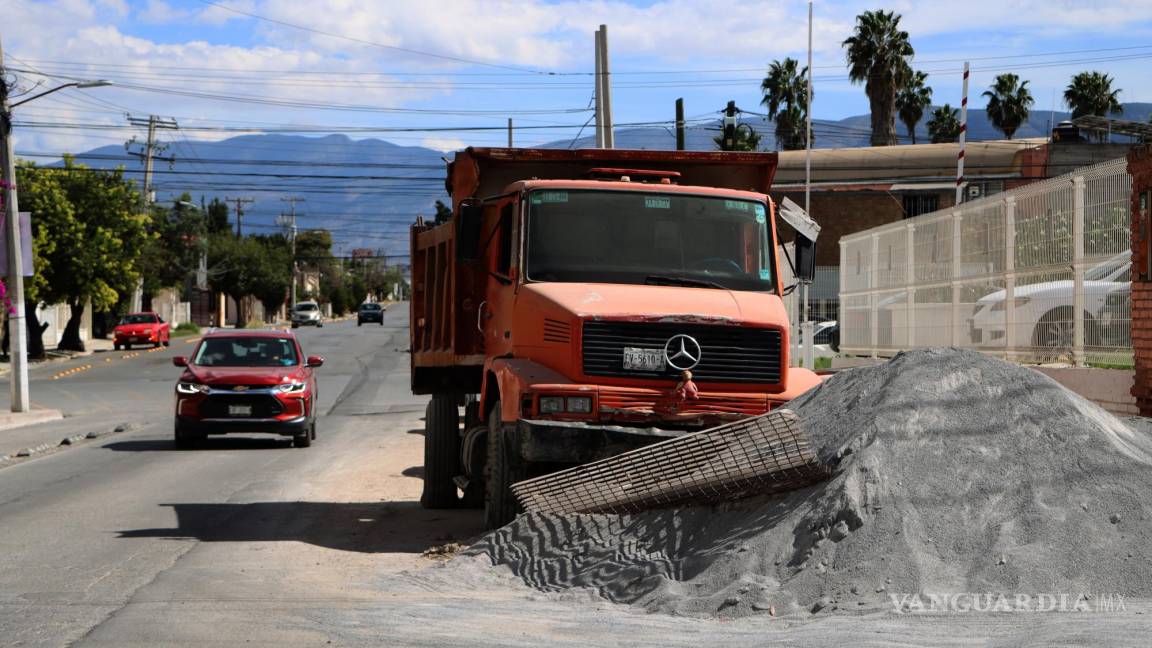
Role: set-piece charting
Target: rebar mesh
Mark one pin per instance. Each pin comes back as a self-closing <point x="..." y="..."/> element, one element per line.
<point x="759" y="455"/>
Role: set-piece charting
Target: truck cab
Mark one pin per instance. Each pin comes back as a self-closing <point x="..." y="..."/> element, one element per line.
<point x="585" y="309"/>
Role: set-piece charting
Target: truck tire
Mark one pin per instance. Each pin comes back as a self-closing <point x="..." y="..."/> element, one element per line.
<point x="505" y="467"/>
<point x="441" y="452"/>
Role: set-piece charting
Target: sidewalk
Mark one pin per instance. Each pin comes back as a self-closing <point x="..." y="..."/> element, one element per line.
<point x="54" y="355"/>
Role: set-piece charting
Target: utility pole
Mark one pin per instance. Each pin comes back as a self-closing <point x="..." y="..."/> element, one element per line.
<point x="153" y="123"/>
<point x="606" y="89"/>
<point x="680" y="124"/>
<point x="240" y="202"/>
<point x="729" y="141"/>
<point x="509" y="132"/>
<point x="598" y="94"/>
<point x="290" y="221"/>
<point x="17" y="333"/>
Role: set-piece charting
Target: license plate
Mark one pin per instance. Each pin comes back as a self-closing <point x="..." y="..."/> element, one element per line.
<point x="239" y="410"/>
<point x="638" y="359"/>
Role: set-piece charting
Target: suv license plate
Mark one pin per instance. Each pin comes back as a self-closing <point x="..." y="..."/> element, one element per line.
<point x="639" y="359"/>
<point x="239" y="410"/>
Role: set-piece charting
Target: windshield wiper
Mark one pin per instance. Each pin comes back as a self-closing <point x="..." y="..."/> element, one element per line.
<point x="668" y="280"/>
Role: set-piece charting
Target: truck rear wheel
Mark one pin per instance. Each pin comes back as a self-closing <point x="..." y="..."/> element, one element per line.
<point x="441" y="452"/>
<point x="505" y="467"/>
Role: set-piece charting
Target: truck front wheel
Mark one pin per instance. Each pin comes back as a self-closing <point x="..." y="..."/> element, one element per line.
<point x="441" y="452"/>
<point x="505" y="467"/>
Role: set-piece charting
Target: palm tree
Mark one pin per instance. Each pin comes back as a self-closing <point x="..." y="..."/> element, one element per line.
<point x="1008" y="103"/>
<point x="944" y="125"/>
<point x="911" y="101"/>
<point x="878" y="57"/>
<point x="785" y="96"/>
<point x="1091" y="93"/>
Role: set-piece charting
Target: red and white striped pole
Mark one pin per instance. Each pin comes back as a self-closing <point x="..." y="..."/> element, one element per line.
<point x="963" y="134"/>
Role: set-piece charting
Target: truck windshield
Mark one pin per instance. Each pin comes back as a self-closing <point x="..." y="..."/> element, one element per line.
<point x="654" y="238"/>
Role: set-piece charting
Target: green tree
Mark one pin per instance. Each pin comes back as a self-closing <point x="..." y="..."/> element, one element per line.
<point x="1008" y="103"/>
<point x="1091" y="93"/>
<point x="878" y="54"/>
<point x="913" y="98"/>
<point x="746" y="139"/>
<point x="944" y="125"/>
<point x="249" y="266"/>
<point x="785" y="96"/>
<point x="90" y="237"/>
<point x="443" y="212"/>
<point x="175" y="243"/>
<point x="217" y="211"/>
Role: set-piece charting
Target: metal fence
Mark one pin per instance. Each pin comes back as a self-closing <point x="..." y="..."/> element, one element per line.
<point x="1036" y="274"/>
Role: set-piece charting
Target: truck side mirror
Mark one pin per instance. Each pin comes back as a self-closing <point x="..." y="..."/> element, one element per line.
<point x="468" y="224"/>
<point x="805" y="259"/>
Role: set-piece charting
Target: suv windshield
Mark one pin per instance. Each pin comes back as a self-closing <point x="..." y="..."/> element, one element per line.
<point x="246" y="352"/>
<point x="305" y="307"/>
<point x="370" y="307"/>
<point x="655" y="238"/>
<point x="138" y="319"/>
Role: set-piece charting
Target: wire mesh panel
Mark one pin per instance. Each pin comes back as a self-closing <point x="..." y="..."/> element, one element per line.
<point x="1035" y="274"/>
<point x="763" y="454"/>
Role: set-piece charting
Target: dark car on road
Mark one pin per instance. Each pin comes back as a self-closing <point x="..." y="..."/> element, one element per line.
<point x="370" y="312"/>
<point x="242" y="381"/>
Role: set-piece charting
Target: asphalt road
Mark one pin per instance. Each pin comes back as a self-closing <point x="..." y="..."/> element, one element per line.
<point x="100" y="539"/>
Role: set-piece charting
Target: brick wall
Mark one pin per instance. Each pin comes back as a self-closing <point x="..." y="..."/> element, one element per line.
<point x="1140" y="167"/>
<point x="847" y="212"/>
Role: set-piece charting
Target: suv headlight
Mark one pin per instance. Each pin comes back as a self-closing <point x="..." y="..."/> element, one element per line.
<point x="191" y="388"/>
<point x="291" y="388"/>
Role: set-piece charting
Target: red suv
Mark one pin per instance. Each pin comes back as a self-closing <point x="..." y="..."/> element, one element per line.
<point x="247" y="381"/>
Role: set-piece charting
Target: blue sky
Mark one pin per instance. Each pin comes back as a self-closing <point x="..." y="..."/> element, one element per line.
<point x="475" y="63"/>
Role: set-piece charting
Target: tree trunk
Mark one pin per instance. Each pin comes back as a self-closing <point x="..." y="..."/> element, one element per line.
<point x="35" y="331"/>
<point x="882" y="102"/>
<point x="71" y="341"/>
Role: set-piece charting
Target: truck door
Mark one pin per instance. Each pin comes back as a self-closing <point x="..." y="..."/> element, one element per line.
<point x="496" y="318"/>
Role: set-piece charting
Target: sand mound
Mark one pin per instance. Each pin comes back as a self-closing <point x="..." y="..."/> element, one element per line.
<point x="955" y="473"/>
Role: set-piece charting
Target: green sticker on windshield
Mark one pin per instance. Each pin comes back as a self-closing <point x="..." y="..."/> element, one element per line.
<point x="736" y="205"/>
<point x="760" y="219"/>
<point x="765" y="275"/>
<point x="543" y="197"/>
<point x="759" y="212"/>
<point x="657" y="202"/>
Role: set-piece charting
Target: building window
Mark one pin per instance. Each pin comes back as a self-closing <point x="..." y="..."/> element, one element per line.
<point x="917" y="204"/>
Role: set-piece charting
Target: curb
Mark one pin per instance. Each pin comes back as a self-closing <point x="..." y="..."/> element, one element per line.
<point x="66" y="441"/>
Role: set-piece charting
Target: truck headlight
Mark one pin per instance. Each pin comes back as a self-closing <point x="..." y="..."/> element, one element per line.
<point x="551" y="404"/>
<point x="580" y="404"/>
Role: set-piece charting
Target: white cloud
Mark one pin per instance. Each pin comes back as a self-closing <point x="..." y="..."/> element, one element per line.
<point x="443" y="143"/>
<point x="160" y="12"/>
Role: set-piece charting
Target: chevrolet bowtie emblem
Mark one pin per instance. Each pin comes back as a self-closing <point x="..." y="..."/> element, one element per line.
<point x="682" y="352"/>
<point x="241" y="387"/>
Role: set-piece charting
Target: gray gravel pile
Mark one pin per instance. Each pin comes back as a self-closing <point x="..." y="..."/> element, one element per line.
<point x="955" y="473"/>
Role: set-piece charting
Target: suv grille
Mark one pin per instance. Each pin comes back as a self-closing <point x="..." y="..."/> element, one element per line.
<point x="727" y="353"/>
<point x="263" y="405"/>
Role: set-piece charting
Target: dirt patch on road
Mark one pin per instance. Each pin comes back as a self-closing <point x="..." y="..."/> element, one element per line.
<point x="954" y="473"/>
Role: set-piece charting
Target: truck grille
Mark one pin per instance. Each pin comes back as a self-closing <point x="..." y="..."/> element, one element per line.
<point x="727" y="353"/>
<point x="263" y="406"/>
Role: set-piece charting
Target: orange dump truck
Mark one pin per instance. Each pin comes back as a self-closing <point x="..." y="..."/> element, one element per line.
<point x="579" y="304"/>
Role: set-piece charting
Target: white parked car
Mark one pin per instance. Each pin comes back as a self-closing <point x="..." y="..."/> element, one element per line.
<point x="827" y="337"/>
<point x="1043" y="312"/>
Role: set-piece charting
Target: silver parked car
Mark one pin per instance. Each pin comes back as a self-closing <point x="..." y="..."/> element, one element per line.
<point x="307" y="313"/>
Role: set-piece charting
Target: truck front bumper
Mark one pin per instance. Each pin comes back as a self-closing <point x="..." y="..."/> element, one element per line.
<point x="575" y="442"/>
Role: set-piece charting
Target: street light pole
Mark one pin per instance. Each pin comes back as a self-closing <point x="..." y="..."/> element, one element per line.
<point x="17" y="331"/>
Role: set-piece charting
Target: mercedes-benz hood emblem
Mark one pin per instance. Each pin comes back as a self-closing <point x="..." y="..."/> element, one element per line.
<point x="682" y="352"/>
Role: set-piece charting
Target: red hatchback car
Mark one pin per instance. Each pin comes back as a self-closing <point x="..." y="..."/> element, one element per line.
<point x="141" y="329"/>
<point x="242" y="381"/>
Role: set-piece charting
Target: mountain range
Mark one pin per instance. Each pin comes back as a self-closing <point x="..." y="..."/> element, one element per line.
<point x="368" y="191"/>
